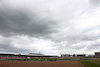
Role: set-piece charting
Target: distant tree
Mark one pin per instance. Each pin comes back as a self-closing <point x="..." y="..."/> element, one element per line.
<point x="73" y="55"/>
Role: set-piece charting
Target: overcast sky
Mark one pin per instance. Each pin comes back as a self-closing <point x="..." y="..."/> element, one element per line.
<point x="51" y="27"/>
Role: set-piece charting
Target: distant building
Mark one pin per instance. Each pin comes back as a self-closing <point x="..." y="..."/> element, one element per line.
<point x="81" y="55"/>
<point x="36" y="54"/>
<point x="97" y="54"/>
<point x="65" y="55"/>
<point x="90" y="56"/>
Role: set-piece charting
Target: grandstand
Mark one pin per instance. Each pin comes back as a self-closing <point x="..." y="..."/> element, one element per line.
<point x="19" y="56"/>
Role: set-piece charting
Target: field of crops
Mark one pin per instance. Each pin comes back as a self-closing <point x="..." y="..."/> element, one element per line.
<point x="91" y="63"/>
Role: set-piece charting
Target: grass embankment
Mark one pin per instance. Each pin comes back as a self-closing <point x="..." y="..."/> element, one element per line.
<point x="91" y="63"/>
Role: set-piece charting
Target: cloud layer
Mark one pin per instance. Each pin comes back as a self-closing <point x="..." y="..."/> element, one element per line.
<point x="50" y="27"/>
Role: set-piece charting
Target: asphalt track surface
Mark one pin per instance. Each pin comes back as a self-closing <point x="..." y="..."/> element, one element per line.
<point x="41" y="64"/>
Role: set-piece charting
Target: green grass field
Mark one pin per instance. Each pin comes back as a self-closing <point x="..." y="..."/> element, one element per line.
<point x="91" y="63"/>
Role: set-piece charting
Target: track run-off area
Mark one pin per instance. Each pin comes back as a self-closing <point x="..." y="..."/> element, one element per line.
<point x="41" y="64"/>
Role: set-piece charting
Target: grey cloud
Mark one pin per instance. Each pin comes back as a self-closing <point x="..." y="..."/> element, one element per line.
<point x="10" y="48"/>
<point x="91" y="34"/>
<point x="95" y="3"/>
<point x="94" y="47"/>
<point x="8" y="44"/>
<point x="18" y="21"/>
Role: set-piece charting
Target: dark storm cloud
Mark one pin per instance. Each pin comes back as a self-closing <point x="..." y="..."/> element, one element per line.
<point x="18" y="21"/>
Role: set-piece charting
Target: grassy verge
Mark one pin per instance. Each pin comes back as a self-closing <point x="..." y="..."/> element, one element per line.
<point x="91" y="63"/>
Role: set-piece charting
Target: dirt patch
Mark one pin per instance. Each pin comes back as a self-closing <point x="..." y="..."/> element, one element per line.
<point x="40" y="64"/>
